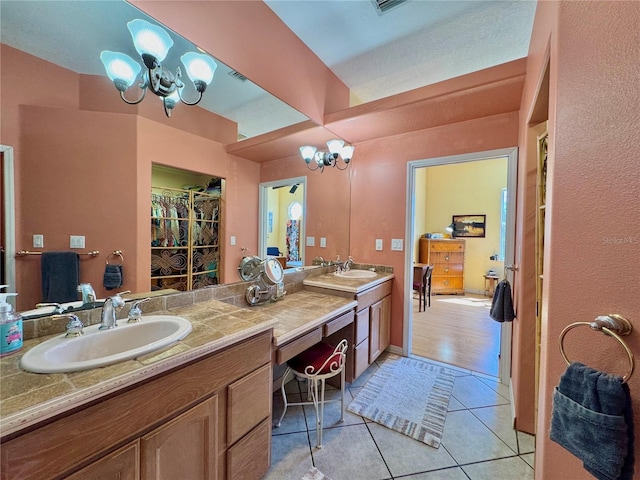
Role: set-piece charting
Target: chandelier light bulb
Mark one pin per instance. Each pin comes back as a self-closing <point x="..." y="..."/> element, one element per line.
<point x="200" y="67"/>
<point x="120" y="67"/>
<point x="150" y="39"/>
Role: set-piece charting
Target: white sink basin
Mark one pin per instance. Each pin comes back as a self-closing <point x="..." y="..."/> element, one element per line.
<point x="356" y="274"/>
<point x="97" y="348"/>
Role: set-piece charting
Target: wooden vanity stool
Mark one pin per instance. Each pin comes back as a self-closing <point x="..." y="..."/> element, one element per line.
<point x="316" y="364"/>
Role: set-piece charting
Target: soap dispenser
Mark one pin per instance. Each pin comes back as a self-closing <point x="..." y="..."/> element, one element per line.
<point x="10" y="326"/>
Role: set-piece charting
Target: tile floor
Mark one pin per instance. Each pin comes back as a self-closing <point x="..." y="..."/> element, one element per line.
<point x="478" y="442"/>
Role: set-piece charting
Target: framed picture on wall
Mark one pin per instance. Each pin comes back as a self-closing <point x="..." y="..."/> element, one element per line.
<point x="469" y="225"/>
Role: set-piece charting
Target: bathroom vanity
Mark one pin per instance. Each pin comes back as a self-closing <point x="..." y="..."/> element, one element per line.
<point x="199" y="409"/>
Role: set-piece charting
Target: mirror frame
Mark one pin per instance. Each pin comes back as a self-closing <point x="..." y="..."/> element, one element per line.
<point x="9" y="240"/>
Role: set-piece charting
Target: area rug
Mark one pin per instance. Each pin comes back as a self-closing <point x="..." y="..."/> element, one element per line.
<point x="314" y="474"/>
<point x="408" y="396"/>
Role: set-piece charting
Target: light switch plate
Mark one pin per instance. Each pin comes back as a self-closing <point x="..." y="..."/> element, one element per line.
<point x="311" y="241"/>
<point x="396" y="244"/>
<point x="232" y="240"/>
<point x="378" y="244"/>
<point x="76" y="241"/>
<point x="38" y="241"/>
<point x="323" y="242"/>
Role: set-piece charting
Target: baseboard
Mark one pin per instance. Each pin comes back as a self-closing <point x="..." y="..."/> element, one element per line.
<point x="395" y="350"/>
<point x="513" y="406"/>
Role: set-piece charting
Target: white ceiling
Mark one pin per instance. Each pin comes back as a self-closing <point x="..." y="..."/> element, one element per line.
<point x="412" y="45"/>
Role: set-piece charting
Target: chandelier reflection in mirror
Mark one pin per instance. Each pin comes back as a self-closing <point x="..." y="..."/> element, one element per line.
<point x="153" y="44"/>
<point x="339" y="156"/>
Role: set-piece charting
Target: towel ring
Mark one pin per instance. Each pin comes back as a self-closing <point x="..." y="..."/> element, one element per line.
<point x="116" y="253"/>
<point x="613" y="325"/>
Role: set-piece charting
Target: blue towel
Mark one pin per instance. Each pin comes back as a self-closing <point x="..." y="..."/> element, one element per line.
<point x="592" y="418"/>
<point x="112" y="278"/>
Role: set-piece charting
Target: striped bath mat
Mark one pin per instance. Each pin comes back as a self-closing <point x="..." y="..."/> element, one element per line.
<point x="408" y="396"/>
<point x="314" y="474"/>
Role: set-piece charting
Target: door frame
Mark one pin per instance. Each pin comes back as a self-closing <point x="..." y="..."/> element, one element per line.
<point x="8" y="203"/>
<point x="263" y="212"/>
<point x="511" y="154"/>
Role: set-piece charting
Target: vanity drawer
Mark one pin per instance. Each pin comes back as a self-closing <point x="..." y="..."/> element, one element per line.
<point x="362" y="326"/>
<point x="249" y="459"/>
<point x="338" y="323"/>
<point x="299" y="345"/>
<point x="373" y="295"/>
<point x="249" y="401"/>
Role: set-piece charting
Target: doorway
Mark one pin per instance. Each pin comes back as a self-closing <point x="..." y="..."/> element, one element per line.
<point x="8" y="240"/>
<point x="282" y="220"/>
<point x="477" y="256"/>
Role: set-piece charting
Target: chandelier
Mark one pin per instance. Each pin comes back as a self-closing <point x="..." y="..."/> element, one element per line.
<point x="153" y="44"/>
<point x="338" y="151"/>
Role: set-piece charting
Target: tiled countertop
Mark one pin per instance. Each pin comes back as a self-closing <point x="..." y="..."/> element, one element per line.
<point x="28" y="398"/>
<point x="346" y="284"/>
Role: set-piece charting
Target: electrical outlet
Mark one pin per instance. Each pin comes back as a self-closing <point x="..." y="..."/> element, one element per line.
<point x="311" y="241"/>
<point x="232" y="240"/>
<point x="323" y="242"/>
<point x="38" y="241"/>
<point x="76" y="241"/>
<point x="396" y="244"/>
<point x="379" y="244"/>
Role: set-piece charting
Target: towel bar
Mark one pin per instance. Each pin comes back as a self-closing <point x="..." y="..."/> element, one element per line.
<point x="22" y="253"/>
<point x="613" y="325"/>
<point x="115" y="253"/>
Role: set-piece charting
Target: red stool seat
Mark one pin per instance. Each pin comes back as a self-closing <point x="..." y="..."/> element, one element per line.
<point x="312" y="360"/>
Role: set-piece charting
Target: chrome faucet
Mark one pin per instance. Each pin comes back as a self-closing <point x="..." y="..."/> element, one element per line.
<point x="318" y="261"/>
<point x="58" y="308"/>
<point x="348" y="264"/>
<point x="74" y="325"/>
<point x="88" y="293"/>
<point x="136" y="312"/>
<point x="108" y="317"/>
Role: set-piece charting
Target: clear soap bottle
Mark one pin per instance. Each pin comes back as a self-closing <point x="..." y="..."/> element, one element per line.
<point x="10" y="326"/>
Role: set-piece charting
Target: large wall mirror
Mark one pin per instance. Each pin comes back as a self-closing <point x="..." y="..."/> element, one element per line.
<point x="99" y="179"/>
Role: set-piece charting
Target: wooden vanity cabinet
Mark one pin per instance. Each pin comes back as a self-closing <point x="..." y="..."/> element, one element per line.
<point x="373" y="324"/>
<point x="204" y="420"/>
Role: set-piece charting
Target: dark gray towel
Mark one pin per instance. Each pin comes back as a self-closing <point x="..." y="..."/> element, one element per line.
<point x="60" y="276"/>
<point x="502" y="303"/>
<point x="592" y="418"/>
<point x="112" y="277"/>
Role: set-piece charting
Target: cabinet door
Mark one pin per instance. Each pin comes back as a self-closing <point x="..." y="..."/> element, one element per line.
<point x="361" y="358"/>
<point x="123" y="464"/>
<point x="385" y="323"/>
<point x="375" y="314"/>
<point x="185" y="447"/>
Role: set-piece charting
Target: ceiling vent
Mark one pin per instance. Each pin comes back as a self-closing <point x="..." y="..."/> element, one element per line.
<point x="237" y="75"/>
<point x="383" y="6"/>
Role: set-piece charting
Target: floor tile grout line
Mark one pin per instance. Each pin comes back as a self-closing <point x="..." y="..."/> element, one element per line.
<point x="379" y="451"/>
<point x="494" y="433"/>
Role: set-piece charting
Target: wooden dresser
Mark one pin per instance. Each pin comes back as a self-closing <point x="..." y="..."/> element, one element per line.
<point x="447" y="258"/>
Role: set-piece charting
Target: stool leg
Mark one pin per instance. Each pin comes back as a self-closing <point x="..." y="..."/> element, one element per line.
<point x="284" y="396"/>
<point x="320" y="418"/>
<point x="342" y="396"/>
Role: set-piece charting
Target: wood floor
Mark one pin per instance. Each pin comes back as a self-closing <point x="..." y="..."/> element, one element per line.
<point x="458" y="330"/>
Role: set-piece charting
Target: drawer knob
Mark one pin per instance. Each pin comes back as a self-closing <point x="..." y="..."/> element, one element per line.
<point x="446" y="282"/>
<point x="447" y="258"/>
<point x="446" y="270"/>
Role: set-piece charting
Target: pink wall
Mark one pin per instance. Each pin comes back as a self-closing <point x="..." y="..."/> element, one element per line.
<point x="593" y="207"/>
<point x="378" y="189"/>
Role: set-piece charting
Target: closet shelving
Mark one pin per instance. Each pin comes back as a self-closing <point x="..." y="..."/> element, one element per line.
<point x="185" y="249"/>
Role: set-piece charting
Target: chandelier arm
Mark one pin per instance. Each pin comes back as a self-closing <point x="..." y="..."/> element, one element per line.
<point x="337" y="165"/>
<point x="135" y="102"/>
<point x="187" y="102"/>
<point x="313" y="169"/>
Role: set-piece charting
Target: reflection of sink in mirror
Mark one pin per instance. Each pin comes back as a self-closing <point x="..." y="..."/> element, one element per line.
<point x="97" y="348"/>
<point x="356" y="274"/>
<point x="67" y="307"/>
